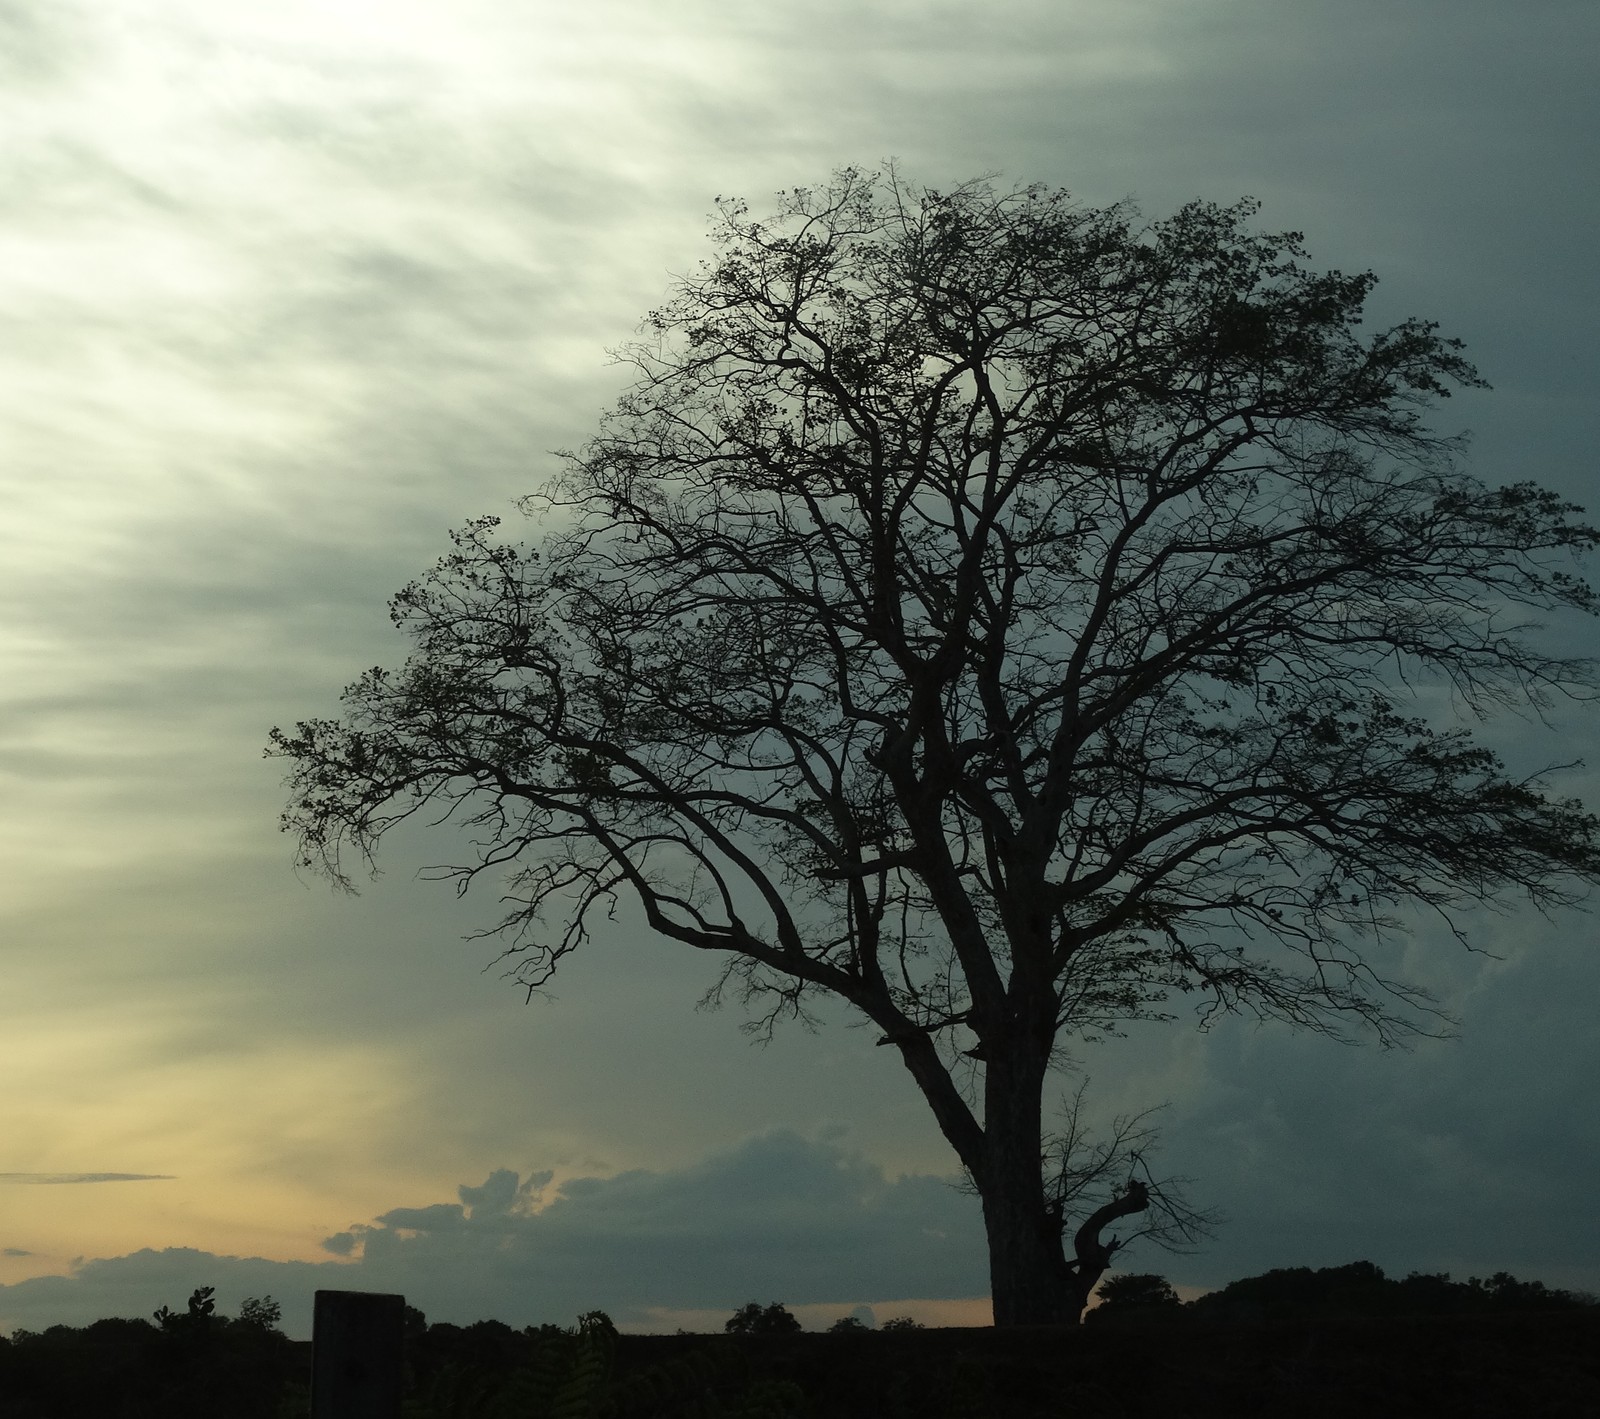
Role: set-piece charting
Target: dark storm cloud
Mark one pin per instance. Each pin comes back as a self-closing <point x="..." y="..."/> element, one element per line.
<point x="1469" y="1155"/>
<point x="777" y="1216"/>
<point x="1441" y="144"/>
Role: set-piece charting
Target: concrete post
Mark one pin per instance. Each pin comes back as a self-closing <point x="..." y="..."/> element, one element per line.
<point x="355" y="1355"/>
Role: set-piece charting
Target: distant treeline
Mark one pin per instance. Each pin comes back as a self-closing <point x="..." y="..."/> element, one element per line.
<point x="1241" y="1346"/>
<point x="190" y="1362"/>
<point x="1359" y="1289"/>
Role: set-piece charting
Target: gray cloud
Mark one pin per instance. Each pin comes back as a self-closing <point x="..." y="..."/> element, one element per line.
<point x="777" y="1216"/>
<point x="1469" y="1155"/>
<point x="807" y="1220"/>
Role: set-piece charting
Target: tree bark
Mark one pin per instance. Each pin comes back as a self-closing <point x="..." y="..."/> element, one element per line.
<point x="1032" y="1281"/>
<point x="1029" y="1282"/>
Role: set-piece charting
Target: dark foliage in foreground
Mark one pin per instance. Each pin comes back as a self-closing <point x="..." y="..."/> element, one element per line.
<point x="191" y="1362"/>
<point x="1358" y="1344"/>
<point x="1341" y="1340"/>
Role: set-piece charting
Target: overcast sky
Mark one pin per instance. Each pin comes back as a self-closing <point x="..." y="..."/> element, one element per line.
<point x="287" y="291"/>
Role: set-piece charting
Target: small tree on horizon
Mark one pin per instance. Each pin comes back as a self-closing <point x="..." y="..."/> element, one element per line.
<point x="1014" y="619"/>
<point x="262" y="1312"/>
<point x="755" y="1319"/>
<point x="1137" y="1290"/>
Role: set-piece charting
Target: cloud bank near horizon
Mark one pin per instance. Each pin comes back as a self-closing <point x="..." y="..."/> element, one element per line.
<point x="808" y="1222"/>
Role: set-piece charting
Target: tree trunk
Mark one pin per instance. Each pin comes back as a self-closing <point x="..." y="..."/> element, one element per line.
<point x="1032" y="1281"/>
<point x="1029" y="1282"/>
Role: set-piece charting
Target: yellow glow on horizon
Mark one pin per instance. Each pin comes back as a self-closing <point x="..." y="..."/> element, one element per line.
<point x="259" y="1141"/>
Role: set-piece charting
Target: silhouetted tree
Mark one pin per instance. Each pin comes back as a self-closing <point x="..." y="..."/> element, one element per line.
<point x="1137" y="1291"/>
<point x="262" y="1312"/>
<point x="1008" y="617"/>
<point x="1361" y="1288"/>
<point x="1504" y="1291"/>
<point x="756" y="1319"/>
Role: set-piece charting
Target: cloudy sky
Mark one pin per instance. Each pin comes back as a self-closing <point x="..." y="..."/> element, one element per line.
<point x="289" y="290"/>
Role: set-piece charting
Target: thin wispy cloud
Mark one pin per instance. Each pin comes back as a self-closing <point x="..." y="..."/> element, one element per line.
<point x="52" y="1178"/>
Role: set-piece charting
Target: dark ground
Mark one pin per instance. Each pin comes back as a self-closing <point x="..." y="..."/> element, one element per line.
<point x="1533" y="1364"/>
<point x="1538" y="1366"/>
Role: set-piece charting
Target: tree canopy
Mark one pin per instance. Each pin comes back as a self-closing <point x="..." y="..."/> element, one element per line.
<point x="755" y="1319"/>
<point x="1010" y="617"/>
